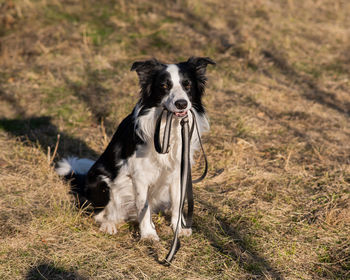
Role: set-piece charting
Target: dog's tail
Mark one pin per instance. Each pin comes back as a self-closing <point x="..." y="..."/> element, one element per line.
<point x="73" y="165"/>
<point x="75" y="170"/>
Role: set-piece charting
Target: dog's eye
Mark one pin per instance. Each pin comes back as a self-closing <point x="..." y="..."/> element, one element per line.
<point x="186" y="84"/>
<point x="166" y="85"/>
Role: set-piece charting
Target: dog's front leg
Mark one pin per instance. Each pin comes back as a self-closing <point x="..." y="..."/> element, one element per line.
<point x="175" y="194"/>
<point x="144" y="211"/>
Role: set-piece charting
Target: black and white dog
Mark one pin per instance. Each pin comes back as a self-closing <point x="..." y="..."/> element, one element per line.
<point x="130" y="180"/>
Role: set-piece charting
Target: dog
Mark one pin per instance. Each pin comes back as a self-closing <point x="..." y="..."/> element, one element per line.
<point x="130" y="180"/>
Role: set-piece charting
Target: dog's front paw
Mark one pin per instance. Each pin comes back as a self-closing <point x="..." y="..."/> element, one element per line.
<point x="108" y="227"/>
<point x="185" y="232"/>
<point x="150" y="235"/>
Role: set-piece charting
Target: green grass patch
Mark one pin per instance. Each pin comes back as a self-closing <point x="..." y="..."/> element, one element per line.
<point x="71" y="111"/>
<point x="55" y="14"/>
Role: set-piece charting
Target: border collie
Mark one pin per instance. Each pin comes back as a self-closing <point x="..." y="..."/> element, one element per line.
<point x="130" y="180"/>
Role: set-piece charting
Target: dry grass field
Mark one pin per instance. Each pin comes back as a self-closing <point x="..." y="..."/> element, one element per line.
<point x="276" y="202"/>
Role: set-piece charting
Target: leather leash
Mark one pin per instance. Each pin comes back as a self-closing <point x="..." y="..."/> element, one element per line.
<point x="186" y="191"/>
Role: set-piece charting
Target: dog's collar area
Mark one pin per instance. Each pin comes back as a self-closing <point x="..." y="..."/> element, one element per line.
<point x="186" y="191"/>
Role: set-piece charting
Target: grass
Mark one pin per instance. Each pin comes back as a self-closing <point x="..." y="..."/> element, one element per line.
<point x="275" y="204"/>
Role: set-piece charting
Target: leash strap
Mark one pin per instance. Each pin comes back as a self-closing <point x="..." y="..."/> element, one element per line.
<point x="185" y="172"/>
<point x="186" y="190"/>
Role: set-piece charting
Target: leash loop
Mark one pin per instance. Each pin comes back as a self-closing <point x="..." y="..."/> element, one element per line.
<point x="201" y="178"/>
<point x="164" y="148"/>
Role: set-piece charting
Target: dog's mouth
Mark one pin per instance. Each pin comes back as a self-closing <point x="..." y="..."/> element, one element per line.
<point x="180" y="114"/>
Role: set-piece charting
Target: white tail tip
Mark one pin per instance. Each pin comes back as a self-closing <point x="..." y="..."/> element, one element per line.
<point x="73" y="164"/>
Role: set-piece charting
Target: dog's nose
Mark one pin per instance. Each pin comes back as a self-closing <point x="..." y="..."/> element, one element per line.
<point x="181" y="104"/>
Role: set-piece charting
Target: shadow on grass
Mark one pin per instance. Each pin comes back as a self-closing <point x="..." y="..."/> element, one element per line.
<point x="40" y="130"/>
<point x="311" y="90"/>
<point x="290" y="121"/>
<point x="239" y="249"/>
<point x="52" y="272"/>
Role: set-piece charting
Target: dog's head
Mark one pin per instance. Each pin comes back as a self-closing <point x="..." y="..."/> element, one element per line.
<point x="176" y="87"/>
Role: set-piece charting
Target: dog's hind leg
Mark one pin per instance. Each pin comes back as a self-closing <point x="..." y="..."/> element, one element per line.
<point x="120" y="206"/>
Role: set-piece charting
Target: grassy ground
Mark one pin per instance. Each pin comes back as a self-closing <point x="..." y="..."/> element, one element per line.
<point x="276" y="203"/>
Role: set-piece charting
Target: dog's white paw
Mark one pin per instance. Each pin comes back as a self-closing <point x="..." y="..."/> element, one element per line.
<point x="150" y="235"/>
<point x="108" y="227"/>
<point x="185" y="232"/>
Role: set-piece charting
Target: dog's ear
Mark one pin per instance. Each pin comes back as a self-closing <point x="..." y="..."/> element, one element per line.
<point x="199" y="64"/>
<point x="145" y="69"/>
